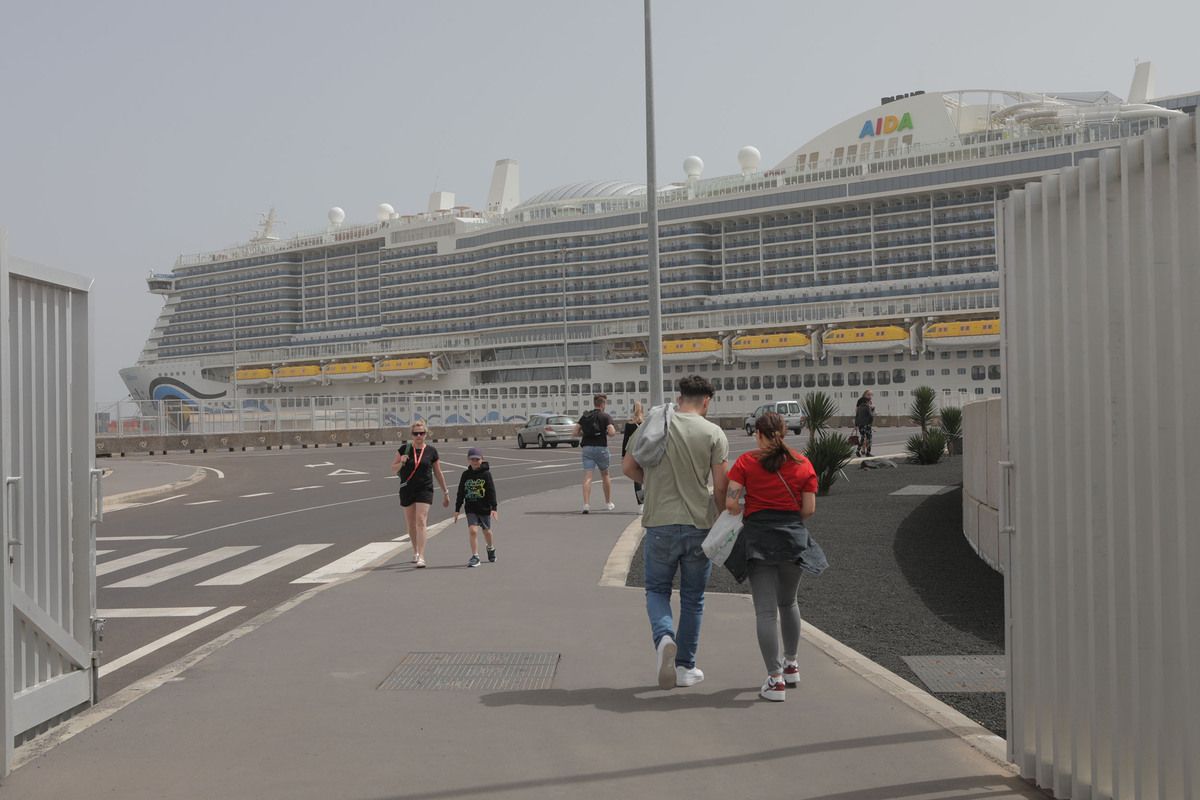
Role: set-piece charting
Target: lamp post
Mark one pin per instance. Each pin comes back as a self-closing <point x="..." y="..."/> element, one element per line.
<point x="654" y="294"/>
<point x="562" y="257"/>
<point x="237" y="406"/>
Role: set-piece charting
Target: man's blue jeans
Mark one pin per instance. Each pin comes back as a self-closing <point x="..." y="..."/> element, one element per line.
<point x="668" y="548"/>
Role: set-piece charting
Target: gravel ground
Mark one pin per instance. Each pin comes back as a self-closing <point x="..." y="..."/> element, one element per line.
<point x="903" y="581"/>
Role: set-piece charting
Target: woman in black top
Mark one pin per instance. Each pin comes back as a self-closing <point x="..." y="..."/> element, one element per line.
<point x="417" y="464"/>
<point x="864" y="416"/>
<point x="636" y="418"/>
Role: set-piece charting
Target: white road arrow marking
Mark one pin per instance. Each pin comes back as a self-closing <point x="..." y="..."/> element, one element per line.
<point x="322" y="464"/>
<point x="345" y="472"/>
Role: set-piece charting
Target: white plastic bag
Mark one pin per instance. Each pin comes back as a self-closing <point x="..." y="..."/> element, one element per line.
<point x="723" y="534"/>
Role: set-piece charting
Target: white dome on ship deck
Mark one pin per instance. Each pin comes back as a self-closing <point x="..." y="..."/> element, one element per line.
<point x="586" y="191"/>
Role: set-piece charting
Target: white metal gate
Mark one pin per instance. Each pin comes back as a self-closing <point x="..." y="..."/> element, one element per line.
<point x="1101" y="309"/>
<point x="49" y="500"/>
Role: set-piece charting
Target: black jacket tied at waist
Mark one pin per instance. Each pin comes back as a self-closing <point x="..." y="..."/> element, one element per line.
<point x="775" y="537"/>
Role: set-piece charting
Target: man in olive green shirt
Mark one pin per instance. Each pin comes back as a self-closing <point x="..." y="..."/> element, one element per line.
<point x="679" y="511"/>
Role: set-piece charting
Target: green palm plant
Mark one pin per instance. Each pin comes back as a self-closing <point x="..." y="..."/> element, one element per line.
<point x="922" y="409"/>
<point x="952" y="420"/>
<point x="829" y="453"/>
<point x="818" y="408"/>
<point x="926" y="448"/>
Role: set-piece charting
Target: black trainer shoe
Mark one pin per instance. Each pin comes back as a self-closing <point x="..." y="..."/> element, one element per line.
<point x="474" y="562"/>
<point x="491" y="553"/>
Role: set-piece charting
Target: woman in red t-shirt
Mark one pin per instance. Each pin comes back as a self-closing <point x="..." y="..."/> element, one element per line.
<point x="781" y="492"/>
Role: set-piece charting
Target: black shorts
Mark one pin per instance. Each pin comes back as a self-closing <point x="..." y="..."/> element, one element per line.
<point x="418" y="494"/>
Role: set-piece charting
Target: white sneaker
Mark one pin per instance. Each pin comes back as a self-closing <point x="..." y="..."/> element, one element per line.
<point x="666" y="662"/>
<point x="586" y="508"/>
<point x="774" y="690"/>
<point x="610" y="506"/>
<point x="791" y="673"/>
<point x="688" y="677"/>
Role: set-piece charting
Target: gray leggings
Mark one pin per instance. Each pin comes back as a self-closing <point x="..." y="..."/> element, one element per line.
<point x="774" y="589"/>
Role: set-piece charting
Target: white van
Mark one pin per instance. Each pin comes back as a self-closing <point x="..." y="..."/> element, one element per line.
<point x="793" y="418"/>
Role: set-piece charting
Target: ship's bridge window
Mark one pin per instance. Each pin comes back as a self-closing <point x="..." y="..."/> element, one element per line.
<point x="608" y="387"/>
<point x="898" y="376"/>
<point x="768" y="382"/>
<point x="810" y="381"/>
<point x="781" y="381"/>
<point x="852" y="378"/>
<point x="741" y="382"/>
<point x="994" y="372"/>
<point x="755" y="382"/>
<point x="823" y="379"/>
<point x="868" y="378"/>
<point x="851" y="151"/>
<point x="978" y="373"/>
<point x="838" y="379"/>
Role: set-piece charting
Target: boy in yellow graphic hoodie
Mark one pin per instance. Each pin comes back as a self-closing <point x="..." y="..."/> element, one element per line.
<point x="477" y="491"/>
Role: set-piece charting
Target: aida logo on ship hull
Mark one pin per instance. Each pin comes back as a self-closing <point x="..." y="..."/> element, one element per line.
<point x="885" y="125"/>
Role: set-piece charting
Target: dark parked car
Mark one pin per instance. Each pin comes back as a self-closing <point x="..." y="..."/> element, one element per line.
<point x="547" y="430"/>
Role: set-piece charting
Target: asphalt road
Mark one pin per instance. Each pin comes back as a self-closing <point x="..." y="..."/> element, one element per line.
<point x="179" y="571"/>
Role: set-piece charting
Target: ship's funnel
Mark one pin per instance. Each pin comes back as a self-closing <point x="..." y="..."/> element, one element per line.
<point x="1142" y="88"/>
<point x="505" y="193"/>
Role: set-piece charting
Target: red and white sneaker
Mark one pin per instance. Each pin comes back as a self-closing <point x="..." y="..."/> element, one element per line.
<point x="774" y="690"/>
<point x="791" y="673"/>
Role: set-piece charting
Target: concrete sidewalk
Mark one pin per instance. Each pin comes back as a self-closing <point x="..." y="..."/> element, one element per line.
<point x="293" y="708"/>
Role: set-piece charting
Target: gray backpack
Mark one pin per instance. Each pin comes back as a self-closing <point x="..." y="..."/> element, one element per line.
<point x="651" y="443"/>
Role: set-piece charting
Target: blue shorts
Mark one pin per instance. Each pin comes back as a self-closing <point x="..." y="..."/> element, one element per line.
<point x="479" y="520"/>
<point x="595" y="457"/>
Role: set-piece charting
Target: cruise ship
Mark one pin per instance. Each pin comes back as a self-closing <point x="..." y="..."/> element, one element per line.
<point x="866" y="258"/>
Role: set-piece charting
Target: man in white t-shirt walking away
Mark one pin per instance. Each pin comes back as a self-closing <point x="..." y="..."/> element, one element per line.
<point x="679" y="511"/>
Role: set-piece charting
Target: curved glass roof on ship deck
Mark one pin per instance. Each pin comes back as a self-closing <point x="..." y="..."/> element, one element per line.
<point x="586" y="190"/>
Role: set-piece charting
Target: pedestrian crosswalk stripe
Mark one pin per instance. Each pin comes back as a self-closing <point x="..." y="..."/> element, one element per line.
<point x="136" y="558"/>
<point x="202" y="502"/>
<point x="114" y="665"/>
<point x="130" y="538"/>
<point x="258" y="494"/>
<point x="170" y="571"/>
<point x="104" y="552"/>
<point x="261" y="567"/>
<point x="350" y="563"/>
<point x="138" y="613"/>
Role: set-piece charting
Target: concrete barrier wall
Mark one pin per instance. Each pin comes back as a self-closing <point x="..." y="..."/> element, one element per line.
<point x="1099" y="295"/>
<point x="981" y="480"/>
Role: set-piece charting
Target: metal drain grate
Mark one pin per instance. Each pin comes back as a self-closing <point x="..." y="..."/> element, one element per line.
<point x="960" y="673"/>
<point x="474" y="671"/>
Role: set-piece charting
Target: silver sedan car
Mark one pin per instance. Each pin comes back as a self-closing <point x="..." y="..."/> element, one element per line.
<point x="547" y="430"/>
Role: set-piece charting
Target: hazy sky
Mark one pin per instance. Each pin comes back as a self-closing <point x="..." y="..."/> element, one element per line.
<point x="135" y="131"/>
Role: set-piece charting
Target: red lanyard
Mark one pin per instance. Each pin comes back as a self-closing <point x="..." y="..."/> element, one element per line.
<point x="416" y="463"/>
